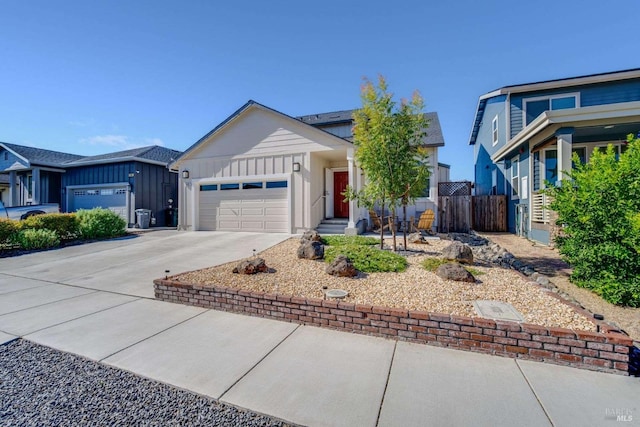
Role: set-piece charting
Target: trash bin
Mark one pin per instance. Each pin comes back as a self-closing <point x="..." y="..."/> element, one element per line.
<point x="171" y="217"/>
<point x="143" y="217"/>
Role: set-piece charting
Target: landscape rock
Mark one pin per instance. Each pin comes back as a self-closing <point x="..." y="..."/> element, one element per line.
<point x="417" y="238"/>
<point x="311" y="249"/>
<point x="342" y="267"/>
<point x="311" y="236"/>
<point x="458" y="251"/>
<point x="454" y="271"/>
<point x="251" y="266"/>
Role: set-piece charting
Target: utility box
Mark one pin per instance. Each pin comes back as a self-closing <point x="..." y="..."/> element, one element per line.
<point x="143" y="218"/>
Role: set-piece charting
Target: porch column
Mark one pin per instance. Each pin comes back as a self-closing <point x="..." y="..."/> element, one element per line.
<point x="351" y="227"/>
<point x="13" y="190"/>
<point x="565" y="140"/>
<point x="35" y="186"/>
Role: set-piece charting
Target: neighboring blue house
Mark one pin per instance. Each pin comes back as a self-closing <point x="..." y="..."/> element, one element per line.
<point x="524" y="135"/>
<point x="123" y="181"/>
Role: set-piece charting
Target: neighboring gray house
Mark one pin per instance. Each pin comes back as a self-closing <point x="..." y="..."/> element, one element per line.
<point x="263" y="170"/>
<point x="122" y="181"/>
<point x="524" y="137"/>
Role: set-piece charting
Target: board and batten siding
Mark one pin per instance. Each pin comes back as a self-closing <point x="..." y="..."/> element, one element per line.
<point x="151" y="185"/>
<point x="259" y="143"/>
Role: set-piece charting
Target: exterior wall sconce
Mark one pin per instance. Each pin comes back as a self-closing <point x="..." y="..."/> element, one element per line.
<point x="185" y="174"/>
<point x="296" y="167"/>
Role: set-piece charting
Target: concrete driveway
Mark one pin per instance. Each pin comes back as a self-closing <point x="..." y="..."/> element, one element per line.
<point x="130" y="264"/>
<point x="96" y="301"/>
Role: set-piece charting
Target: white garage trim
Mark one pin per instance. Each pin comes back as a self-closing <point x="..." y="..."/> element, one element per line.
<point x="70" y="189"/>
<point x="197" y="183"/>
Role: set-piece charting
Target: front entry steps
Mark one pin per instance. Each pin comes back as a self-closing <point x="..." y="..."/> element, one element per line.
<point x="332" y="226"/>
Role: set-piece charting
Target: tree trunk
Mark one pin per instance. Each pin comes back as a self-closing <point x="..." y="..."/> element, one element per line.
<point x="393" y="229"/>
<point x="404" y="223"/>
<point x="382" y="226"/>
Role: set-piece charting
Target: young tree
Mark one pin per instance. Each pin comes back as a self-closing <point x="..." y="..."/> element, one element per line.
<point x="599" y="211"/>
<point x="389" y="141"/>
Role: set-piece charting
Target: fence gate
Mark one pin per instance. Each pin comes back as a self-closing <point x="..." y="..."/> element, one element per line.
<point x="490" y="213"/>
<point x="454" y="207"/>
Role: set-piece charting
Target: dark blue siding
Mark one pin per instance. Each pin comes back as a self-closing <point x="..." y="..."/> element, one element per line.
<point x="151" y="185"/>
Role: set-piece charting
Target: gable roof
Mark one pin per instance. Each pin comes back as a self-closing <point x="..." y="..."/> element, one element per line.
<point x="41" y="157"/>
<point x="434" y="136"/>
<point x="150" y="154"/>
<point x="249" y="104"/>
<point x="610" y="76"/>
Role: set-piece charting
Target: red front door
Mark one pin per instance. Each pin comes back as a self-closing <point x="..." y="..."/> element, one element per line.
<point x="340" y="182"/>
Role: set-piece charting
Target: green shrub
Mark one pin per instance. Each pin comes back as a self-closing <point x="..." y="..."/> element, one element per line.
<point x="367" y="258"/>
<point x="599" y="211"/>
<point x="37" y="239"/>
<point x="340" y="239"/>
<point x="100" y="223"/>
<point x="8" y="230"/>
<point x="432" y="264"/>
<point x="66" y="226"/>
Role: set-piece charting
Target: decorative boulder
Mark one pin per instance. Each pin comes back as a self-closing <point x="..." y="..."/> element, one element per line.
<point x="459" y="252"/>
<point x="311" y="250"/>
<point x="311" y="236"/>
<point x="454" y="271"/>
<point x="251" y="266"/>
<point x="342" y="267"/>
<point x="417" y="238"/>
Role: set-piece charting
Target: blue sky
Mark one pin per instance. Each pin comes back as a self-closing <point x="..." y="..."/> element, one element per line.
<point x="93" y="77"/>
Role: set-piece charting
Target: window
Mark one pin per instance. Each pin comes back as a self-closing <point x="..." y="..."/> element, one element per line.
<point x="551" y="165"/>
<point x="29" y="186"/>
<point x="582" y="155"/>
<point x="494" y="130"/>
<point x="229" y="187"/>
<point x="536" y="171"/>
<point x="533" y="107"/>
<point x="427" y="191"/>
<point x="251" y="185"/>
<point x="210" y="187"/>
<point x="6" y="155"/>
<point x="277" y="184"/>
<point x="106" y="192"/>
<point x="545" y="168"/>
<point x="93" y="192"/>
<point x="515" y="177"/>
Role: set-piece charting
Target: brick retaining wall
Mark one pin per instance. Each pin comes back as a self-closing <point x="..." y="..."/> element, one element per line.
<point x="608" y="351"/>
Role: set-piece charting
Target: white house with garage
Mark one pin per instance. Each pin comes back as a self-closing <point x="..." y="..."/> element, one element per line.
<point x="262" y="170"/>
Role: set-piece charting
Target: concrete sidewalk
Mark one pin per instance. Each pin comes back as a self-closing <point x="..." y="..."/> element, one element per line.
<point x="302" y="374"/>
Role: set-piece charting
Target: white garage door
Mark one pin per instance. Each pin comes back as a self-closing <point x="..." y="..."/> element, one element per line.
<point x="249" y="206"/>
<point x="114" y="199"/>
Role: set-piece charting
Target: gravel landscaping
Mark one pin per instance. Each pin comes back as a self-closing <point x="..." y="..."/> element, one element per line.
<point x="413" y="289"/>
<point x="45" y="387"/>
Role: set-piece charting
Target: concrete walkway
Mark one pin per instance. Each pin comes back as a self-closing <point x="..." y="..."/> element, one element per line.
<point x="95" y="301"/>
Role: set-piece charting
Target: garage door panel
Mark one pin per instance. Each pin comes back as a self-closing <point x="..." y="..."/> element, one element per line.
<point x="244" y="210"/>
<point x="114" y="199"/>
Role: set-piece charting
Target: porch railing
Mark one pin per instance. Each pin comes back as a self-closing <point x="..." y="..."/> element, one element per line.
<point x="540" y="211"/>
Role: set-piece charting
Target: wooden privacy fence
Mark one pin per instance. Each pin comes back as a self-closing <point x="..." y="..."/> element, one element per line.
<point x="454" y="207"/>
<point x="459" y="212"/>
<point x="489" y="213"/>
<point x="454" y="214"/>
